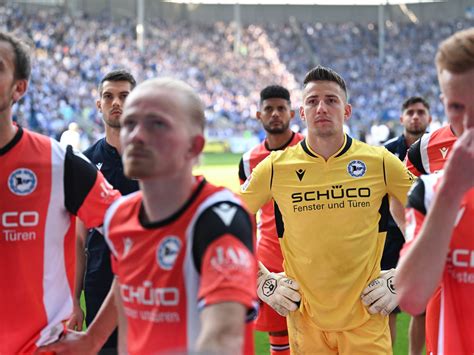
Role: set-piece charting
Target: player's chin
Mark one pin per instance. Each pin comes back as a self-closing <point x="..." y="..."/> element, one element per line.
<point x="137" y="170"/>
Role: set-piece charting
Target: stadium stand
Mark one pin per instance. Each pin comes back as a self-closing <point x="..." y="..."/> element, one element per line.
<point x="73" y="52"/>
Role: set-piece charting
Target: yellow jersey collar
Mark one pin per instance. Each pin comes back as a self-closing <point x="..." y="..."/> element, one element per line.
<point x="345" y="147"/>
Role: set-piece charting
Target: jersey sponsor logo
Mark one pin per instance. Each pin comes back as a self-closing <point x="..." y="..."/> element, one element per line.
<point x="148" y="295"/>
<point x="246" y="184"/>
<point x="13" y="219"/>
<point x="356" y="168"/>
<point x="99" y="165"/>
<point x="300" y="173"/>
<point x="336" y="192"/>
<point x="230" y="257"/>
<point x="337" y="197"/>
<point x="226" y="212"/>
<point x="462" y="258"/>
<point x="444" y="152"/>
<point x="167" y="252"/>
<point x="22" y="182"/>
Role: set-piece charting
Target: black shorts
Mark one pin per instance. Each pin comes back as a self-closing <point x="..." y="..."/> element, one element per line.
<point x="391" y="251"/>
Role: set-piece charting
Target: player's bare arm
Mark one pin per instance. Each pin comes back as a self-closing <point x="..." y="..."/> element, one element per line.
<point x="93" y="339"/>
<point x="77" y="318"/>
<point x="222" y="328"/>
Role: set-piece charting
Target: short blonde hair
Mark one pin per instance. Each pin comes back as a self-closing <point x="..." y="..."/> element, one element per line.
<point x="456" y="53"/>
<point x="193" y="102"/>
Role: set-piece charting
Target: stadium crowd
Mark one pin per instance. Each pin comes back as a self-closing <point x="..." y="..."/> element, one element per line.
<point x="72" y="54"/>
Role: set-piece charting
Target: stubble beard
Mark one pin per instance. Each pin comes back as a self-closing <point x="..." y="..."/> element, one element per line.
<point x="276" y="130"/>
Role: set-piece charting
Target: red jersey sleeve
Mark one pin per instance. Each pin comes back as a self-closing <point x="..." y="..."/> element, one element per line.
<point x="413" y="160"/>
<point x="87" y="193"/>
<point x="414" y="214"/>
<point x="223" y="252"/>
<point x="228" y="273"/>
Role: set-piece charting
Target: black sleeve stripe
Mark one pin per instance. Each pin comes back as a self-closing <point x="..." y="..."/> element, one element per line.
<point x="210" y="227"/>
<point x="79" y="178"/>
<point x="384" y="212"/>
<point x="416" y="196"/>
<point x="384" y="173"/>
<point x="414" y="155"/>
<point x="242" y="176"/>
<point x="271" y="178"/>
<point x="280" y="226"/>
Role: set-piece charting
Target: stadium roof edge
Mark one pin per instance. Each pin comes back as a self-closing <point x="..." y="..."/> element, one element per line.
<point x="301" y="2"/>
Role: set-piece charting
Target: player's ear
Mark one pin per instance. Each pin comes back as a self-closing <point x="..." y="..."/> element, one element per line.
<point x="259" y="115"/>
<point x="98" y="105"/>
<point x="347" y="111"/>
<point x="19" y="90"/>
<point x="197" y="145"/>
<point x="302" y="113"/>
<point x="292" y="114"/>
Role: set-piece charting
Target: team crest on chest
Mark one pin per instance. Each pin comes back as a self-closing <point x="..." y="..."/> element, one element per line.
<point x="22" y="182"/>
<point x="356" y="168"/>
<point x="167" y="252"/>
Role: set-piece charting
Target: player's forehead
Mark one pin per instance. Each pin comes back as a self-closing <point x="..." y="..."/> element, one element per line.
<point x="116" y="86"/>
<point x="152" y="103"/>
<point x="323" y="88"/>
<point x="417" y="106"/>
<point x="274" y="102"/>
<point x="6" y="54"/>
<point x="457" y="87"/>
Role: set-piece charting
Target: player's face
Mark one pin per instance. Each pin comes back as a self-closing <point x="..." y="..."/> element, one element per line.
<point x="415" y="118"/>
<point x="324" y="108"/>
<point x="11" y="90"/>
<point x="156" y="136"/>
<point x="275" y="115"/>
<point x="457" y="95"/>
<point x="111" y="101"/>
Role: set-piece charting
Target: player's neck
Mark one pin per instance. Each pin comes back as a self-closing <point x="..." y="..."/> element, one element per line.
<point x="7" y="132"/>
<point x="411" y="138"/>
<point x="163" y="197"/>
<point x="112" y="137"/>
<point x="325" y="146"/>
<point x="277" y="141"/>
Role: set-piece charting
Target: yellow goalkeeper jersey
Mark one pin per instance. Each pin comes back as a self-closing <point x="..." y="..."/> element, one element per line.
<point x="331" y="219"/>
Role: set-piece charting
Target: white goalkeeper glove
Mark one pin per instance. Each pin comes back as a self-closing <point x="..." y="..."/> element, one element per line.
<point x="380" y="295"/>
<point x="278" y="291"/>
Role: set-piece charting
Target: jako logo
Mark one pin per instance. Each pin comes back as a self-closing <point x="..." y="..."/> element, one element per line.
<point x="22" y="182"/>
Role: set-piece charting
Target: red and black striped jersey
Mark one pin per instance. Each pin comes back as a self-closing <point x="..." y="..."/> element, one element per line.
<point x="168" y="271"/>
<point x="428" y="154"/>
<point x="43" y="186"/>
<point x="268" y="246"/>
<point x="452" y="316"/>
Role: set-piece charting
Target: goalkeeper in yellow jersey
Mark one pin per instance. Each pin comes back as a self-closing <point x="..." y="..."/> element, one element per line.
<point x="331" y="195"/>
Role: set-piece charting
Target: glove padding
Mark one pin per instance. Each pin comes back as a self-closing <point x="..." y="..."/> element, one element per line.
<point x="380" y="295"/>
<point x="278" y="291"/>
